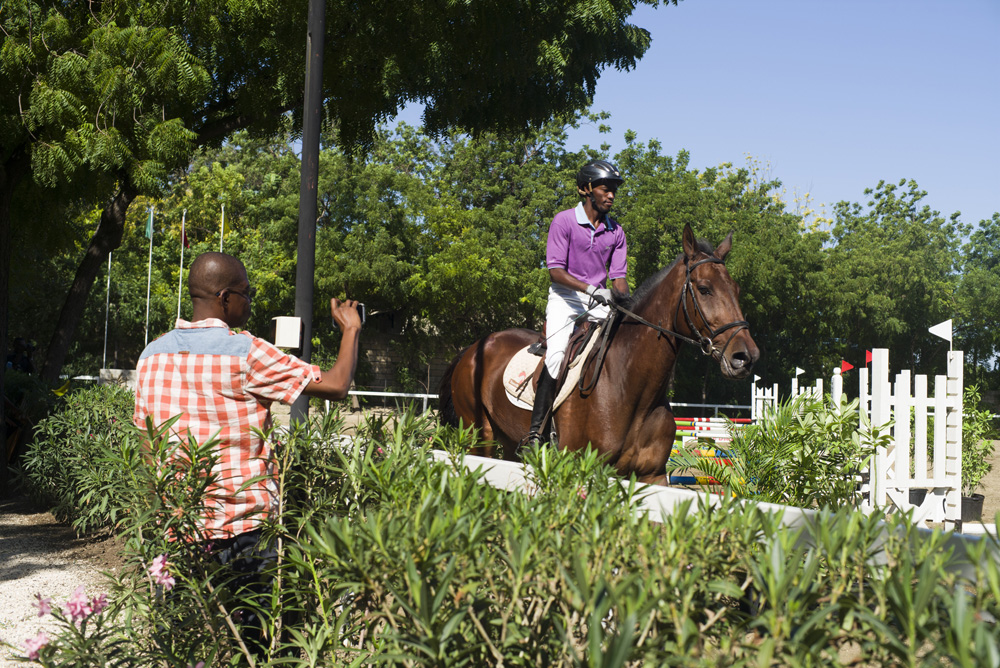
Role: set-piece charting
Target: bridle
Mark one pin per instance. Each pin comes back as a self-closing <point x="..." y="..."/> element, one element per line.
<point x="704" y="339"/>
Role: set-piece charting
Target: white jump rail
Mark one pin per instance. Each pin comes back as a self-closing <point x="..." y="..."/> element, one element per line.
<point x="657" y="503"/>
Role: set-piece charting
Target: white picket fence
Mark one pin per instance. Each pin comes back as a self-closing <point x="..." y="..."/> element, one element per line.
<point x="924" y="454"/>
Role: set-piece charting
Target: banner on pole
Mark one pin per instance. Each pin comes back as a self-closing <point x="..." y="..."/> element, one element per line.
<point x="149" y="225"/>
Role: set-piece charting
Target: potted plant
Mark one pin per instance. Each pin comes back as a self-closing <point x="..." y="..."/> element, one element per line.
<point x="977" y="451"/>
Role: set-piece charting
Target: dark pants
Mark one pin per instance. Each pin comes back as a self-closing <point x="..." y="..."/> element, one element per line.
<point x="247" y="573"/>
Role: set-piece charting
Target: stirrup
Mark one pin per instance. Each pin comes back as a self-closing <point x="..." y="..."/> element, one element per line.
<point x="533" y="439"/>
<point x="528" y="441"/>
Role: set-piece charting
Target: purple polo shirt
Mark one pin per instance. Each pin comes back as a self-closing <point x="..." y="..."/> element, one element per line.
<point x="585" y="252"/>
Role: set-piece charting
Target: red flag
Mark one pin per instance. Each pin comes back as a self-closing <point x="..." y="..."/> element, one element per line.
<point x="845" y="366"/>
<point x="184" y="239"/>
<point x="868" y="357"/>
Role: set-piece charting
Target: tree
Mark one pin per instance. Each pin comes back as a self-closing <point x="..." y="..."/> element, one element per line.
<point x="126" y="90"/>
<point x="894" y="270"/>
<point x="979" y="300"/>
<point x="111" y="96"/>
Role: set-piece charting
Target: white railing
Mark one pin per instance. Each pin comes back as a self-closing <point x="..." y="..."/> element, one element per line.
<point x="405" y="395"/>
<point x="657" y="502"/>
<point x="427" y="397"/>
<point x="761" y="398"/>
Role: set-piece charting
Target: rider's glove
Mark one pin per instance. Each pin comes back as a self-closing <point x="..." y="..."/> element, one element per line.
<point x="600" y="295"/>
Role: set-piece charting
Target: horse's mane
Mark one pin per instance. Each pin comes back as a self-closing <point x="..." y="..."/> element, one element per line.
<point x="633" y="301"/>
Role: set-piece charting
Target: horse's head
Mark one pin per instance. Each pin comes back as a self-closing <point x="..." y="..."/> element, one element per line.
<point x="710" y="307"/>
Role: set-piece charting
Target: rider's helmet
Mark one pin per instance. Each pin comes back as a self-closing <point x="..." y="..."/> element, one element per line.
<point x="596" y="172"/>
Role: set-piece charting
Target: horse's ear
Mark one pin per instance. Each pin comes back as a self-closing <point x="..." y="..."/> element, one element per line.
<point x="727" y="245"/>
<point x="688" y="241"/>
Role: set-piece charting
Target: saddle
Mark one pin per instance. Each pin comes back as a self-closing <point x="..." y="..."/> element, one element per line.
<point x="521" y="375"/>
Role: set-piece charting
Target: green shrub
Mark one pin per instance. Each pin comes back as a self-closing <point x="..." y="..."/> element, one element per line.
<point x="391" y="557"/>
<point x="83" y="459"/>
<point x="800" y="453"/>
<point x="978" y="433"/>
<point x="31" y="400"/>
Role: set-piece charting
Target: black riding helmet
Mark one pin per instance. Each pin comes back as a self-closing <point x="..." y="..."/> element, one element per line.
<point x="597" y="171"/>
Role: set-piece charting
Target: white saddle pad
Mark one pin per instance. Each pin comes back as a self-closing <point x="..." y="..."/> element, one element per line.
<point x="517" y="377"/>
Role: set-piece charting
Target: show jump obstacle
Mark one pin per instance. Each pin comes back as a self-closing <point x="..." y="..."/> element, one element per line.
<point x="924" y="453"/>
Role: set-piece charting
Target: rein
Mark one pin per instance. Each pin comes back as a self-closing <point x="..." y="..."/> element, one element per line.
<point x="704" y="341"/>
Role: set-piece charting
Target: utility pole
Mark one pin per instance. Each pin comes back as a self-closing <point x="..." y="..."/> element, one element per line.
<point x="312" y="114"/>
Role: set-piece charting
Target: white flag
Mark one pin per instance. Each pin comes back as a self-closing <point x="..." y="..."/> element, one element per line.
<point x="942" y="329"/>
<point x="799" y="372"/>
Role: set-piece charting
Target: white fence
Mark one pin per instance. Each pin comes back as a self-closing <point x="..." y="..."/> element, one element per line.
<point x="928" y="457"/>
<point x="924" y="453"/>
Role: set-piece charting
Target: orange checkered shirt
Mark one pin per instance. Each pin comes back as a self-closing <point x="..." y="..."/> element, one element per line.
<point x="222" y="384"/>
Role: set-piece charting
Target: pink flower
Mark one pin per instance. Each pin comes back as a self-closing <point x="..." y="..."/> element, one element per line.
<point x="582" y="493"/>
<point x="379" y="450"/>
<point x="161" y="576"/>
<point x="200" y="664"/>
<point x="32" y="645"/>
<point x="44" y="605"/>
<point x="78" y="607"/>
<point x="98" y="604"/>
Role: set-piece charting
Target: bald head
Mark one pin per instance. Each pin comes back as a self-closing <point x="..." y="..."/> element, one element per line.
<point x="220" y="289"/>
<point x="212" y="272"/>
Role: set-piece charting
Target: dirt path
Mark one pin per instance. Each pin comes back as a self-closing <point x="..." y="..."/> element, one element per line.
<point x="991" y="488"/>
<point x="38" y="555"/>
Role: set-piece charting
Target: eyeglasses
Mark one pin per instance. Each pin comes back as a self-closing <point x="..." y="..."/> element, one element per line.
<point x="248" y="295"/>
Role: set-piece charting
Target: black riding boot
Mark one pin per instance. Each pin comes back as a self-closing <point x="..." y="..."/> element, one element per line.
<point x="545" y="394"/>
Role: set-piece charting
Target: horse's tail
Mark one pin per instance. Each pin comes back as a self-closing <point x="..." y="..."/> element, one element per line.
<point x="446" y="406"/>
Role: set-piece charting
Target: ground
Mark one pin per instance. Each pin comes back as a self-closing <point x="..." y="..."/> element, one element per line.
<point x="39" y="555"/>
<point x="991" y="488"/>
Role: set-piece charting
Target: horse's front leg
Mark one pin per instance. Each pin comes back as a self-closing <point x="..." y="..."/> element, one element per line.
<point x="653" y="442"/>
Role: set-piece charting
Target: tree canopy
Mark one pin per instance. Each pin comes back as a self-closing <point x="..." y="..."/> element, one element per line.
<point x="444" y="238"/>
<point x="103" y="100"/>
<point x="189" y="106"/>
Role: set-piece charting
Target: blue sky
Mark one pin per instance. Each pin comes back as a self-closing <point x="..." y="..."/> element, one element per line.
<point x="832" y="95"/>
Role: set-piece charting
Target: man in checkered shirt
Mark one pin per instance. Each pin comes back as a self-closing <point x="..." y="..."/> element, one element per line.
<point x="221" y="384"/>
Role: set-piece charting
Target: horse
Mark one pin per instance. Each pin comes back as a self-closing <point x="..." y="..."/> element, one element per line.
<point x="625" y="415"/>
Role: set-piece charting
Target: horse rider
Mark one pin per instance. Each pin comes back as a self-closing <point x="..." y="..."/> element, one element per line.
<point x="586" y="248"/>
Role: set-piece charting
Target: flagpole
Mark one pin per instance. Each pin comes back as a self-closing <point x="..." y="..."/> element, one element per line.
<point x="149" y="270"/>
<point x="180" y="273"/>
<point x="107" y="308"/>
<point x="222" y="226"/>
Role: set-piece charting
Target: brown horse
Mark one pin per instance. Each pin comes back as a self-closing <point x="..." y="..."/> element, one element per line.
<point x="625" y="415"/>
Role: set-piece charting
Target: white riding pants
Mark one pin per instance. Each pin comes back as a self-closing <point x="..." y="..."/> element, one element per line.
<point x="564" y="307"/>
